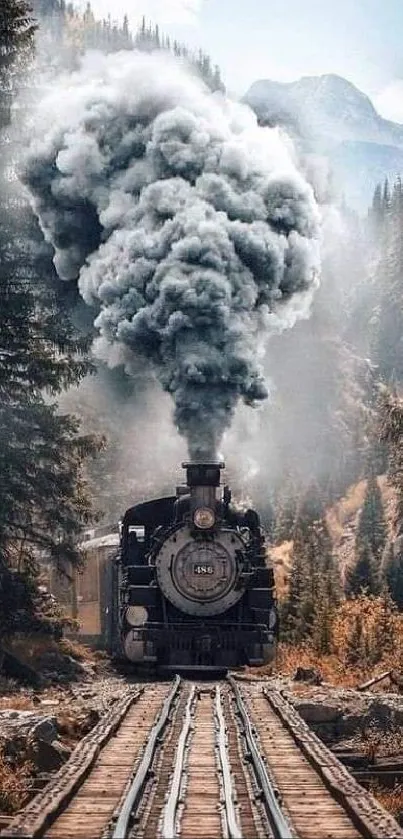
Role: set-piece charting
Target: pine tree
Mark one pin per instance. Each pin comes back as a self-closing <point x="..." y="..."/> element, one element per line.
<point x="363" y="575"/>
<point x="355" y="642"/>
<point x="386" y="197"/>
<point x="387" y="331"/>
<point x="327" y="592"/>
<point x="43" y="503"/>
<point x="384" y="632"/>
<point x="377" y="205"/>
<point x="17" y="30"/>
<point x="126" y="33"/>
<point x="392" y="571"/>
<point x="314" y="588"/>
<point x="391" y="433"/>
<point x="371" y="526"/>
<point x="322" y="619"/>
<point x="293" y="617"/>
<point x="285" y="509"/>
<point x="43" y="499"/>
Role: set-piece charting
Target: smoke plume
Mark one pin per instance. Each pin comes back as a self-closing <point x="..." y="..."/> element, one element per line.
<point x="188" y="228"/>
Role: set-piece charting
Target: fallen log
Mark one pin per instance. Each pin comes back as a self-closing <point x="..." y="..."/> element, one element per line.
<point x="375" y="680"/>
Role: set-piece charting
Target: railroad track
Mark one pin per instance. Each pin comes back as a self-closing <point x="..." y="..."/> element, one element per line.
<point x="203" y="760"/>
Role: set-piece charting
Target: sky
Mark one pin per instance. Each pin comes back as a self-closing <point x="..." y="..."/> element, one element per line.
<point x="255" y="39"/>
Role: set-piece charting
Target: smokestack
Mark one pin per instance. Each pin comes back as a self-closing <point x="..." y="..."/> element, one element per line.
<point x="203" y="479"/>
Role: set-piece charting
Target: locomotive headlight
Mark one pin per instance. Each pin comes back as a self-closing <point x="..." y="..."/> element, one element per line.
<point x="204" y="518"/>
<point x="136" y="615"/>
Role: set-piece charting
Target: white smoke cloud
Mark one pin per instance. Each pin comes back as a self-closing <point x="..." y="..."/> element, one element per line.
<point x="187" y="226"/>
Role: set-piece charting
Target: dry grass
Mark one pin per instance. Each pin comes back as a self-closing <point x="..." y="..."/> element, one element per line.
<point x="72" y="727"/>
<point x="29" y="649"/>
<point x="379" y="645"/>
<point x="16" y="703"/>
<point x="354" y="659"/>
<point x="345" y="510"/>
<point x="76" y="650"/>
<point x="343" y="515"/>
<point x="8" y="686"/>
<point x="331" y="668"/>
<point x="14" y="784"/>
<point x="390" y="799"/>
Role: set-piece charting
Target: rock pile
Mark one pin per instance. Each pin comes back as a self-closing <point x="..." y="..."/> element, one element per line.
<point x="33" y="735"/>
<point x="340" y="713"/>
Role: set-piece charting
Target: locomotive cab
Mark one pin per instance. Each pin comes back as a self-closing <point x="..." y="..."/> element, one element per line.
<point x="195" y="588"/>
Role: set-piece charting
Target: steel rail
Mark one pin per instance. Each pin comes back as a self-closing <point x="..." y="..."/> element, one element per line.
<point x="137" y="786"/>
<point x="232" y="824"/>
<point x="278" y="822"/>
<point x="171" y="807"/>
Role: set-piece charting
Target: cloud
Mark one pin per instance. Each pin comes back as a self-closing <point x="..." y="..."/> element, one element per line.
<point x="164" y="12"/>
<point x="389" y="102"/>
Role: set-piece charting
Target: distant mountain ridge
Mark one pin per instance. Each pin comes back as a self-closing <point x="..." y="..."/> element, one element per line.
<point x="332" y="117"/>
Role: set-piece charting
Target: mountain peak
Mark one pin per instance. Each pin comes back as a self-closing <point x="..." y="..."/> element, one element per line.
<point x="322" y="107"/>
<point x="328" y="90"/>
<point x="329" y="115"/>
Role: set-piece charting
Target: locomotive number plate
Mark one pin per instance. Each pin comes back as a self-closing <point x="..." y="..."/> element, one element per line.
<point x="202" y="569"/>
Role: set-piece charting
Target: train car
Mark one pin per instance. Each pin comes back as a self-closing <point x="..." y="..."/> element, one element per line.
<point x="195" y="589"/>
<point x="89" y="595"/>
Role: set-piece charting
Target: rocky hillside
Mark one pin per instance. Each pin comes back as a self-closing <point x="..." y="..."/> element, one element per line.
<point x="342" y="521"/>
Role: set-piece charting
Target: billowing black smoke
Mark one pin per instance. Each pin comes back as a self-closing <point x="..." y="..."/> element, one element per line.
<point x="187" y="225"/>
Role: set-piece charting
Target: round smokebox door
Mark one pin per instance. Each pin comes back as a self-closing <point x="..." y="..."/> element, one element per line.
<point x="203" y="570"/>
<point x="198" y="576"/>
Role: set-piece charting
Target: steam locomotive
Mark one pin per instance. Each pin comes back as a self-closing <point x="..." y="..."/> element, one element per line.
<point x="193" y="584"/>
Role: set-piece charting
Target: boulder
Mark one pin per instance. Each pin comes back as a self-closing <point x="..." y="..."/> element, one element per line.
<point x="47" y="757"/>
<point x="317" y="713"/>
<point x="307" y="674"/>
<point x="340" y="713"/>
<point x="27" y="724"/>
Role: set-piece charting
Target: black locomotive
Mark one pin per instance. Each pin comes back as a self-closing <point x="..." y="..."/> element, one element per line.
<point x="194" y="586"/>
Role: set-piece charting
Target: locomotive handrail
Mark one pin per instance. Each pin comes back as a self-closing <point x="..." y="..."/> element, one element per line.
<point x="140" y="778"/>
<point x="279" y="823"/>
